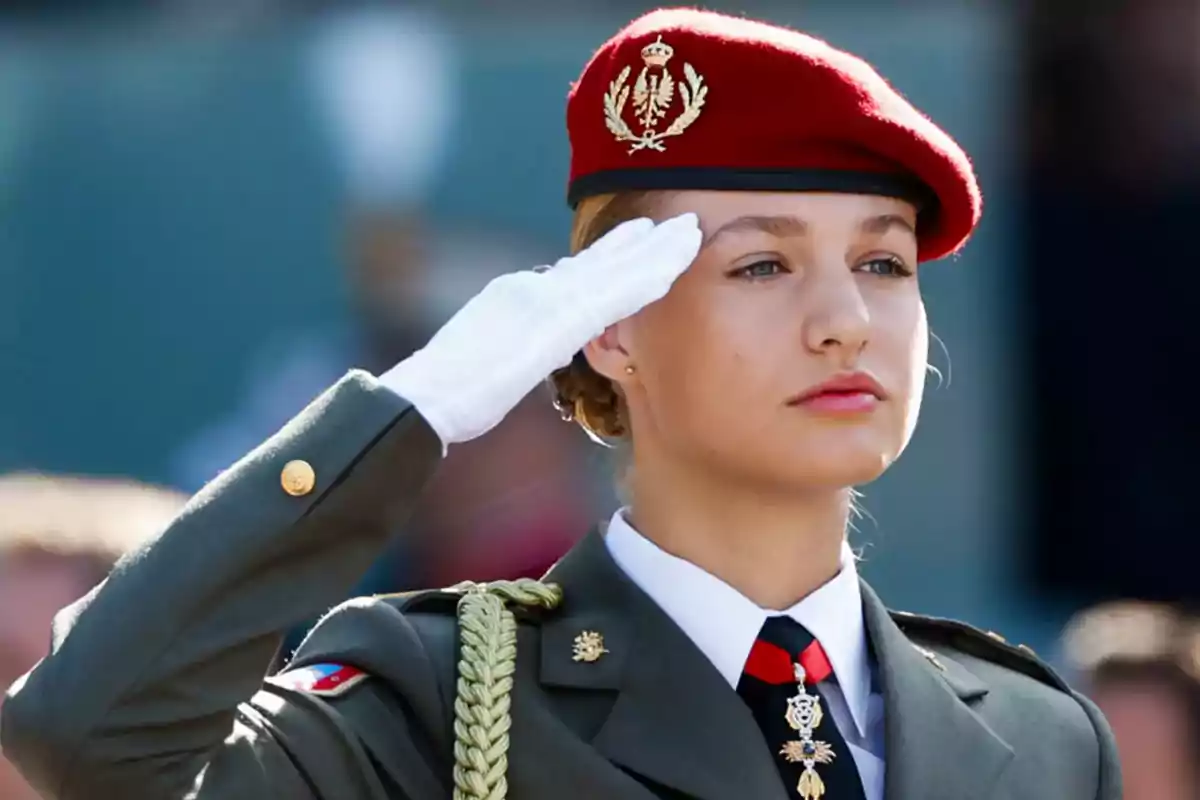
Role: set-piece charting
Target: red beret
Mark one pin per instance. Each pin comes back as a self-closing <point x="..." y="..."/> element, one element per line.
<point x="687" y="99"/>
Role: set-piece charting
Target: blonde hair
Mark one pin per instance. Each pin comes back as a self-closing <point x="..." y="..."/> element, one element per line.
<point x="580" y="393"/>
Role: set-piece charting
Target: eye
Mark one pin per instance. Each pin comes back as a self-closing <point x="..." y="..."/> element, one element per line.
<point x="759" y="270"/>
<point x="886" y="266"/>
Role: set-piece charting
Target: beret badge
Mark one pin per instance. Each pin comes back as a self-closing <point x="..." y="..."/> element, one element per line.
<point x="654" y="93"/>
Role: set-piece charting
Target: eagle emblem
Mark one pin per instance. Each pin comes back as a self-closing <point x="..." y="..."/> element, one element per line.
<point x="653" y="93"/>
<point x="589" y="646"/>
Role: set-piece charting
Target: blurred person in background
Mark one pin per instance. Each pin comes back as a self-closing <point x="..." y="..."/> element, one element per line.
<point x="742" y="311"/>
<point x="59" y="537"/>
<point x="506" y="505"/>
<point x="383" y="86"/>
<point x="380" y="84"/>
<point x="1140" y="662"/>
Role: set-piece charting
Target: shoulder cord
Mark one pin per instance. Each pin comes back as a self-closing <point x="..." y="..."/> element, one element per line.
<point x="487" y="661"/>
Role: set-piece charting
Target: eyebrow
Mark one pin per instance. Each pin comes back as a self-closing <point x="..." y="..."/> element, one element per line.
<point x="885" y="222"/>
<point x="774" y="225"/>
<point x="794" y="226"/>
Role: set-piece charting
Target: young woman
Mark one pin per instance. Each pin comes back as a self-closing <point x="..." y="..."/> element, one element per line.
<point x="743" y="312"/>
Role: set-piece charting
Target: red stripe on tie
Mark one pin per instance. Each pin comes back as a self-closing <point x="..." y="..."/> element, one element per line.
<point x="772" y="664"/>
<point x="769" y="663"/>
<point x="816" y="663"/>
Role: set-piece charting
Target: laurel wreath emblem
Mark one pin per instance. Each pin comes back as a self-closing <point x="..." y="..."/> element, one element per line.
<point x="652" y="96"/>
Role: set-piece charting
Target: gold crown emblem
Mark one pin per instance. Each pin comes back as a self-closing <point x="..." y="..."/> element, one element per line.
<point x="653" y="93"/>
<point x="657" y="53"/>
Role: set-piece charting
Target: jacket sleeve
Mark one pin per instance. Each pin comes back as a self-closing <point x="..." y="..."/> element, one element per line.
<point x="148" y="674"/>
<point x="1109" y="785"/>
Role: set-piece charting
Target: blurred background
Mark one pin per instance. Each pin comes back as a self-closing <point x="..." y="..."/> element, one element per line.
<point x="210" y="209"/>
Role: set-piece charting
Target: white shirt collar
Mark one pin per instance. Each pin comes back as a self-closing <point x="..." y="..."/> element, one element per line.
<point x="723" y="623"/>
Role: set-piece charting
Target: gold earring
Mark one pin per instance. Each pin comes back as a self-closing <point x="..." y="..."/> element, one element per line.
<point x="630" y="369"/>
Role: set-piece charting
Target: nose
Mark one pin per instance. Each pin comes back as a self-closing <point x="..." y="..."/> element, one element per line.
<point x="837" y="321"/>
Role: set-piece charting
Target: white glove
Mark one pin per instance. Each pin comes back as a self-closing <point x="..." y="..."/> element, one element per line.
<point x="524" y="325"/>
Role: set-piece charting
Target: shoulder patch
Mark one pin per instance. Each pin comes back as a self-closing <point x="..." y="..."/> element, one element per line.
<point x="979" y="643"/>
<point x="322" y="680"/>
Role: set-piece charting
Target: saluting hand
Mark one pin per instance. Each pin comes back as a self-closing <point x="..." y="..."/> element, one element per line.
<point x="524" y="325"/>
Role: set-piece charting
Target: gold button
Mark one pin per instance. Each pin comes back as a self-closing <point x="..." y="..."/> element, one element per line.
<point x="298" y="478"/>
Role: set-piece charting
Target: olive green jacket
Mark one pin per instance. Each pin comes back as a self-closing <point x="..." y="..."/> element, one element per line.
<point x="155" y="686"/>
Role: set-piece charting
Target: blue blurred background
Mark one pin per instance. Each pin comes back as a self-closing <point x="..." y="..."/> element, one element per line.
<point x="180" y="199"/>
<point x="210" y="210"/>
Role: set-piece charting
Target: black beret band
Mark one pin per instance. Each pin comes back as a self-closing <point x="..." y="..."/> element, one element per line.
<point x="753" y="180"/>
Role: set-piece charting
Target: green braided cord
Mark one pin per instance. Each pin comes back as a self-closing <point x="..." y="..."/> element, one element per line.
<point x="487" y="661"/>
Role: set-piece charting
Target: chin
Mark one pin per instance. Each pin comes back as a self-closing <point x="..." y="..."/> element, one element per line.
<point x="839" y="473"/>
<point x="834" y="465"/>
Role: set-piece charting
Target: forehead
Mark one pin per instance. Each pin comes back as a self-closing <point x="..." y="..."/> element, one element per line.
<point x="818" y="209"/>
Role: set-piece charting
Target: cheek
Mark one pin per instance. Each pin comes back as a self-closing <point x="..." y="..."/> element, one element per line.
<point x="919" y="349"/>
<point x="911" y="350"/>
<point x="898" y="351"/>
<point x="901" y="338"/>
<point x="697" y="344"/>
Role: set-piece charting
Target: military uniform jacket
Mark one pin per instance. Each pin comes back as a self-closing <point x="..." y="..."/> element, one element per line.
<point x="155" y="685"/>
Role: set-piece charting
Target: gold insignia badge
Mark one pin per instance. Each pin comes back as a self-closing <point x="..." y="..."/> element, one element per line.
<point x="653" y="94"/>
<point x="589" y="646"/>
<point x="803" y="716"/>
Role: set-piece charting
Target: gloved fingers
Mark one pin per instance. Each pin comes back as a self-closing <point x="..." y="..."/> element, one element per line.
<point x="664" y="254"/>
<point x="641" y="273"/>
<point x="606" y="244"/>
<point x="618" y="237"/>
<point x="594" y="268"/>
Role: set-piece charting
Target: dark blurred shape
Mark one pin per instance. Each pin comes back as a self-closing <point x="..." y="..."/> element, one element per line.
<point x="1114" y="188"/>
<point x="59" y="537"/>
<point x="1141" y="664"/>
<point x="387" y="256"/>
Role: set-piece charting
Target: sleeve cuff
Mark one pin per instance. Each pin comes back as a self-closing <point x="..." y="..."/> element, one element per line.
<point x="400" y="381"/>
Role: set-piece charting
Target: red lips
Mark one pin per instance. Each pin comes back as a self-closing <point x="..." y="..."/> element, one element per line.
<point x="851" y="392"/>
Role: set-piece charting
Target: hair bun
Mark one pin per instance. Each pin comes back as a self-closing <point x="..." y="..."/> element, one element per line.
<point x="583" y="395"/>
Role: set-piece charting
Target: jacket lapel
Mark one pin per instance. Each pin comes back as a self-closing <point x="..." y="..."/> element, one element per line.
<point x="936" y="747"/>
<point x="674" y="719"/>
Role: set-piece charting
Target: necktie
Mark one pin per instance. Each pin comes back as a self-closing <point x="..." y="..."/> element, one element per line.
<point x="780" y="684"/>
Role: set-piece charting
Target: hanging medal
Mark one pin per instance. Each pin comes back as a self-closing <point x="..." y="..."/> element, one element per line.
<point x="804" y="715"/>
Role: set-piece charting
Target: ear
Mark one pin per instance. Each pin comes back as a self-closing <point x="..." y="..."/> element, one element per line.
<point x="607" y="355"/>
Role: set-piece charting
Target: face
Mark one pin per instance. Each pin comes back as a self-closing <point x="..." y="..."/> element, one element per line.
<point x="789" y="292"/>
<point x="1153" y="738"/>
